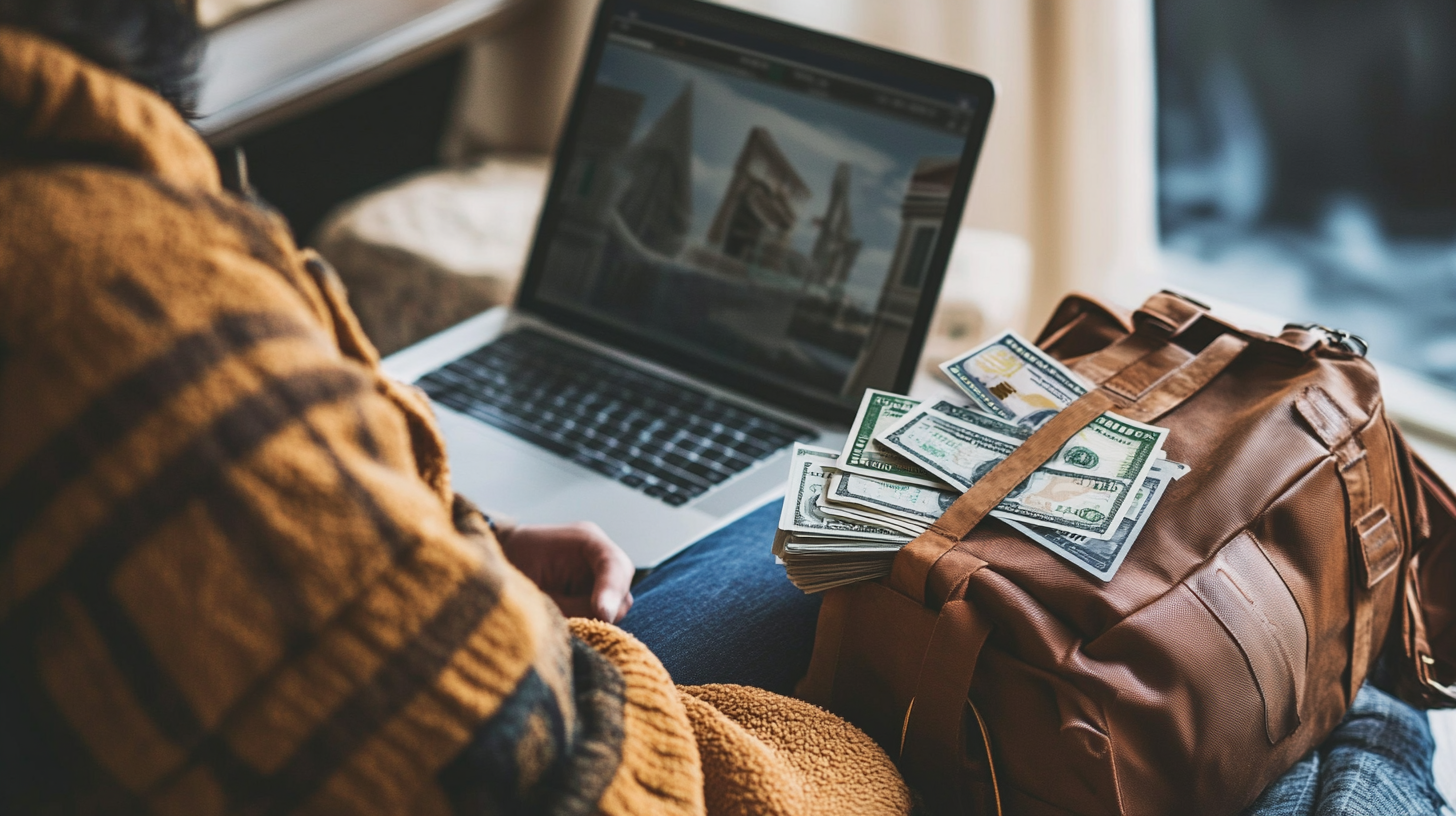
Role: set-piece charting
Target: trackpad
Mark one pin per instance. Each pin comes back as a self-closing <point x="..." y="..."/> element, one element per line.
<point x="501" y="472"/>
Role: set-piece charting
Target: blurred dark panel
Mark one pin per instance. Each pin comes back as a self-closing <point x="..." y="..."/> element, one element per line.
<point x="1307" y="164"/>
<point x="1269" y="110"/>
<point x="307" y="166"/>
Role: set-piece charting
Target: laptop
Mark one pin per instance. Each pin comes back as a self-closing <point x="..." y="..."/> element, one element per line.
<point x="747" y="225"/>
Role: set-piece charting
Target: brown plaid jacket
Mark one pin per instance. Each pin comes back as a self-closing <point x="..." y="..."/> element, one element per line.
<point x="233" y="576"/>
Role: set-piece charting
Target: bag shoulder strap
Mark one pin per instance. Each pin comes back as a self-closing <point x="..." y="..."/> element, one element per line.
<point x="1427" y="676"/>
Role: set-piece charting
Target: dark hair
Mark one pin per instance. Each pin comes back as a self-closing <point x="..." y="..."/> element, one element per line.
<point x="156" y="43"/>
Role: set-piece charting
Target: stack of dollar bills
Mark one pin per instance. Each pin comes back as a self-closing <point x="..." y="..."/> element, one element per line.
<point x="905" y="462"/>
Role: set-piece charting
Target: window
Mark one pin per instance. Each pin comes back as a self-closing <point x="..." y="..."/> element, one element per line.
<point x="1307" y="165"/>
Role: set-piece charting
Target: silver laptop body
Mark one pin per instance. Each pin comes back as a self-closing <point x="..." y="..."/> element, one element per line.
<point x="747" y="225"/>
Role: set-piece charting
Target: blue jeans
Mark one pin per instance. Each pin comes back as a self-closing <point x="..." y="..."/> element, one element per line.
<point x="722" y="611"/>
<point x="1378" y="761"/>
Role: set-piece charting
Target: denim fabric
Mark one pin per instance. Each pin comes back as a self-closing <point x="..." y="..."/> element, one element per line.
<point x="1378" y="761"/>
<point x="722" y="611"/>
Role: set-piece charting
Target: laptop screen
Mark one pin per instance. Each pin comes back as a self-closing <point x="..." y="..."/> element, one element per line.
<point x="751" y="200"/>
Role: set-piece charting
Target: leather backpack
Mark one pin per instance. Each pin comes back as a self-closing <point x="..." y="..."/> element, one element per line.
<point x="1231" y="641"/>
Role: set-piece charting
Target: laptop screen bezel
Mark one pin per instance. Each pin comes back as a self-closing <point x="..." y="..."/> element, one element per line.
<point x="763" y="388"/>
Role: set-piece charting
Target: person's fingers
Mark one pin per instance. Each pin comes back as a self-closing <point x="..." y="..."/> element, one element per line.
<point x="612" y="571"/>
<point x="625" y="607"/>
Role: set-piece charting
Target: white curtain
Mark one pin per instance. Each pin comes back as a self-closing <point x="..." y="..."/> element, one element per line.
<point x="1068" y="166"/>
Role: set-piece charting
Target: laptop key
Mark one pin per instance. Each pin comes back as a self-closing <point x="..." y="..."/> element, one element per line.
<point x="668" y="440"/>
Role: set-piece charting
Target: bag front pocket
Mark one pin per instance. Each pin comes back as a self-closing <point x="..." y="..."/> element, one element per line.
<point x="1241" y="588"/>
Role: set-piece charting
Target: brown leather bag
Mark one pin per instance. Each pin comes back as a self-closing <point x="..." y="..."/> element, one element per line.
<point x="1234" y="636"/>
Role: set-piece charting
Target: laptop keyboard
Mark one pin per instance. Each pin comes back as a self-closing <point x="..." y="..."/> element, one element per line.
<point x="668" y="440"/>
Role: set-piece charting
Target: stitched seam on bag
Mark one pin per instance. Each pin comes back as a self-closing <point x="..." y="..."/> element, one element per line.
<point x="1271" y="630"/>
<point x="1243" y="650"/>
<point x="1246" y="528"/>
<point x="1303" y="620"/>
<point x="1111" y="755"/>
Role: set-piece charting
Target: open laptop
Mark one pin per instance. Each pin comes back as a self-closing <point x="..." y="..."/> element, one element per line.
<point x="747" y="226"/>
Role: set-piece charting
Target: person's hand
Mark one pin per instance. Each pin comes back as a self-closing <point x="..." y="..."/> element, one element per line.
<point x="583" y="571"/>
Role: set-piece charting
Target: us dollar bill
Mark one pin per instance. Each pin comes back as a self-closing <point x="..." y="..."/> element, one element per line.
<point x="1085" y="488"/>
<point x="1014" y="380"/>
<point x="920" y="505"/>
<point x="807" y="482"/>
<point x="980" y="419"/>
<point x="816" y="571"/>
<point x="801" y="546"/>
<point x="890" y="523"/>
<point x="878" y="410"/>
<point x="1101" y="557"/>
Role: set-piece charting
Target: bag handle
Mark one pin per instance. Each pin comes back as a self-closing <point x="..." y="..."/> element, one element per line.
<point x="934" y="723"/>
<point x="919" y="560"/>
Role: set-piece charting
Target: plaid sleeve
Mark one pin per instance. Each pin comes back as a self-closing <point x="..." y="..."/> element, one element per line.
<point x="228" y="579"/>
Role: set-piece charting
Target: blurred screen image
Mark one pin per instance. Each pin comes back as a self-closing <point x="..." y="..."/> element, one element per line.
<point x="774" y="216"/>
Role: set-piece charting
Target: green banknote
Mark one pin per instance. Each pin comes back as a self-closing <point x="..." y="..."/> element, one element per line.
<point x="921" y="505"/>
<point x="1085" y="488"/>
<point x="801" y="513"/>
<point x="1101" y="557"/>
<point x="877" y="412"/>
<point x="980" y="419"/>
<point x="1014" y="380"/>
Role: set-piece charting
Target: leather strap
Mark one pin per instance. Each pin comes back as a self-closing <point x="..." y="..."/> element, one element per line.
<point x="990" y="755"/>
<point x="1100" y="366"/>
<point x="1136" y="379"/>
<point x="918" y="560"/>
<point x="817" y="685"/>
<point x="1376" y="548"/>
<point x="1183" y="382"/>
<point x="915" y="560"/>
<point x="1163" y="317"/>
<point x="935" y="723"/>
<point x="1167" y="314"/>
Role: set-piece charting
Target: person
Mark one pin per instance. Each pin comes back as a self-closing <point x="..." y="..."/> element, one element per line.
<point x="234" y="577"/>
<point x="233" y="574"/>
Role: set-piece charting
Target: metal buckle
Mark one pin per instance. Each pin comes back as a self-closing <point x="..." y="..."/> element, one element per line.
<point x="1353" y="343"/>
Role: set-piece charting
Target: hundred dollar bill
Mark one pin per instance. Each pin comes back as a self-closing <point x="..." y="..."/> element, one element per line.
<point x="1012" y="379"/>
<point x="891" y="523"/>
<point x="781" y="539"/>
<point x="1177" y="469"/>
<point x="979" y="418"/>
<point x="800" y="513"/>
<point x="1085" y="488"/>
<point x="815" y="571"/>
<point x="800" y="546"/>
<point x="1102" y="556"/>
<point x="879" y="410"/>
<point x="922" y="505"/>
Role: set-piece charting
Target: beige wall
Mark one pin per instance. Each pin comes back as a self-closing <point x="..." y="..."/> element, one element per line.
<point x="1069" y="159"/>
